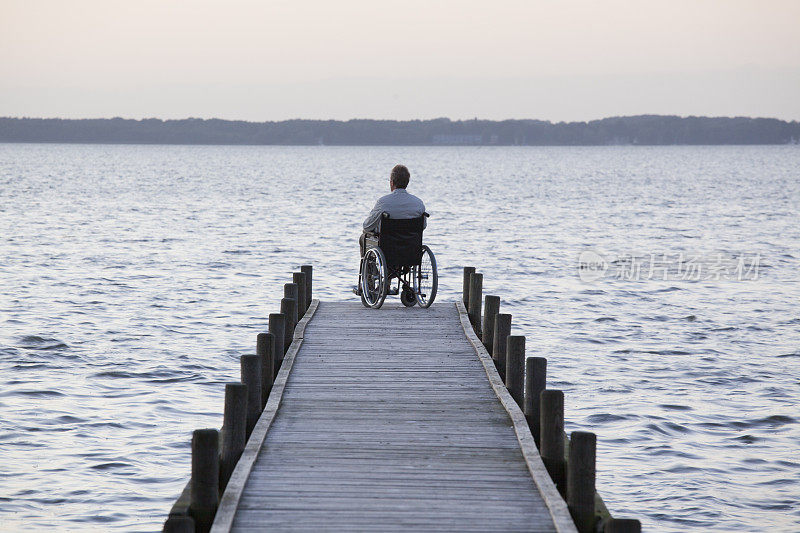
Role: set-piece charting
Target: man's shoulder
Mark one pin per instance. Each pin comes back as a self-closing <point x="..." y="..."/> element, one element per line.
<point x="416" y="198"/>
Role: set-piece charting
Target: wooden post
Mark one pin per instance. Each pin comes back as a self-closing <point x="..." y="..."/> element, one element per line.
<point x="265" y="348"/>
<point x="622" y="525"/>
<point x="491" y="306"/>
<point x="178" y="524"/>
<point x="502" y="329"/>
<point x="475" y="300"/>
<point x="535" y="383"/>
<point x="289" y="309"/>
<point x="277" y="326"/>
<point x="308" y="270"/>
<point x="581" y="480"/>
<point x="205" y="478"/>
<point x="251" y="377"/>
<point x="515" y="367"/>
<point x="552" y="437"/>
<point x="468" y="271"/>
<point x="299" y="279"/>
<point x="234" y="430"/>
<point x="290" y="290"/>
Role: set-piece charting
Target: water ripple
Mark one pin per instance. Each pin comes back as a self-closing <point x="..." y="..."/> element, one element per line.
<point x="124" y="312"/>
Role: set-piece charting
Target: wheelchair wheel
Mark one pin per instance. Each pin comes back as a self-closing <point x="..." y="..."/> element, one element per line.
<point x="425" y="278"/>
<point x="374" y="278"/>
<point x="408" y="297"/>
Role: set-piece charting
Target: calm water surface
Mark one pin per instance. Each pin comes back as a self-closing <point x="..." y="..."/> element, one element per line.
<point x="133" y="277"/>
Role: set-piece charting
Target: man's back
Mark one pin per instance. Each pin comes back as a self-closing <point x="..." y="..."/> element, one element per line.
<point x="398" y="204"/>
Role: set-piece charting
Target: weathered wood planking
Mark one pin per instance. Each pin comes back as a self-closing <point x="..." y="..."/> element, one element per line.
<point x="387" y="422"/>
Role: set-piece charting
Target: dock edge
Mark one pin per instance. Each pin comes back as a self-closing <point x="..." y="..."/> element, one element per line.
<point x="233" y="492"/>
<point x="555" y="503"/>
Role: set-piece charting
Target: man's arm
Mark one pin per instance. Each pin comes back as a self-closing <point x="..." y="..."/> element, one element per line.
<point x="373" y="219"/>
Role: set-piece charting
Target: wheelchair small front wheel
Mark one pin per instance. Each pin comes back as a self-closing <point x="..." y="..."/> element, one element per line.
<point x="374" y="278"/>
<point x="425" y="278"/>
<point x="407" y="297"/>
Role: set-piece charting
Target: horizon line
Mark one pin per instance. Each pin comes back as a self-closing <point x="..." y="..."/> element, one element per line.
<point x="355" y="119"/>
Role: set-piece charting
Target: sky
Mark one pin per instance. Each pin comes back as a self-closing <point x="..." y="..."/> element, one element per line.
<point x="559" y="60"/>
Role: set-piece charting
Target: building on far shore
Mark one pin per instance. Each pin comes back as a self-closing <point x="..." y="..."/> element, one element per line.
<point x="447" y="139"/>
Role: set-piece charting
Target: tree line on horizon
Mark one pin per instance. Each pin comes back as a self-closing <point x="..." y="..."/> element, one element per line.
<point x="632" y="130"/>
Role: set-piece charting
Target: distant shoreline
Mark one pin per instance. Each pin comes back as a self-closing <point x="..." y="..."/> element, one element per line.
<point x="116" y="143"/>
<point x="641" y="130"/>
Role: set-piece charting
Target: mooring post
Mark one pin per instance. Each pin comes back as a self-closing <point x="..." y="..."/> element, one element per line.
<point x="289" y="309"/>
<point x="251" y="377"/>
<point x="468" y="271"/>
<point x="291" y="290"/>
<point x="234" y="430"/>
<point x="277" y="326"/>
<point x="308" y="270"/>
<point x="581" y="480"/>
<point x="179" y="524"/>
<point x="205" y="478"/>
<point x="491" y="306"/>
<point x="535" y="383"/>
<point x="552" y="437"/>
<point x="622" y="525"/>
<point x="515" y="367"/>
<point x="299" y="279"/>
<point x="265" y="348"/>
<point x="502" y="329"/>
<point x="475" y="301"/>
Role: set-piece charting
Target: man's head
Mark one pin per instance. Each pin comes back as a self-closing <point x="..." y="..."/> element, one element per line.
<point x="399" y="177"/>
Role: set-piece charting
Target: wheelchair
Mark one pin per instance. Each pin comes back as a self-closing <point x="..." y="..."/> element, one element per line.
<point x="397" y="253"/>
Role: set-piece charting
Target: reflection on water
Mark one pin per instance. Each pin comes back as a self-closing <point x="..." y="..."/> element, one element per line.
<point x="133" y="277"/>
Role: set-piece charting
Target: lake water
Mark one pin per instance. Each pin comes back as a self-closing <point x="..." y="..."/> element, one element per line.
<point x="133" y="278"/>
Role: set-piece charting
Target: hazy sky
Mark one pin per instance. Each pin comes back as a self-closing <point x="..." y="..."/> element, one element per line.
<point x="273" y="60"/>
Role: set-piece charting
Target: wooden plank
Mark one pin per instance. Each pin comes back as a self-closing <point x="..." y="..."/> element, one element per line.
<point x="233" y="492"/>
<point x="386" y="422"/>
<point x="555" y="504"/>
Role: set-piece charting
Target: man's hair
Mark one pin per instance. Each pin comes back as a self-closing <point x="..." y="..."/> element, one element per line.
<point x="400" y="176"/>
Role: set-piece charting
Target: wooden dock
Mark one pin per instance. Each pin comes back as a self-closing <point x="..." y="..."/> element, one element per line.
<point x="390" y="420"/>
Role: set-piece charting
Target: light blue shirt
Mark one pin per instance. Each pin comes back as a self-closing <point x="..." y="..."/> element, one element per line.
<point x="399" y="204"/>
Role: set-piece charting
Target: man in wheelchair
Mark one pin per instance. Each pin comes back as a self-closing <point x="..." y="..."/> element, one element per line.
<point x="397" y="204"/>
<point x="391" y="248"/>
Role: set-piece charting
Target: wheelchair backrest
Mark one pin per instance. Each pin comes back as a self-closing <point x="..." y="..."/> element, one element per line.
<point x="400" y="240"/>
